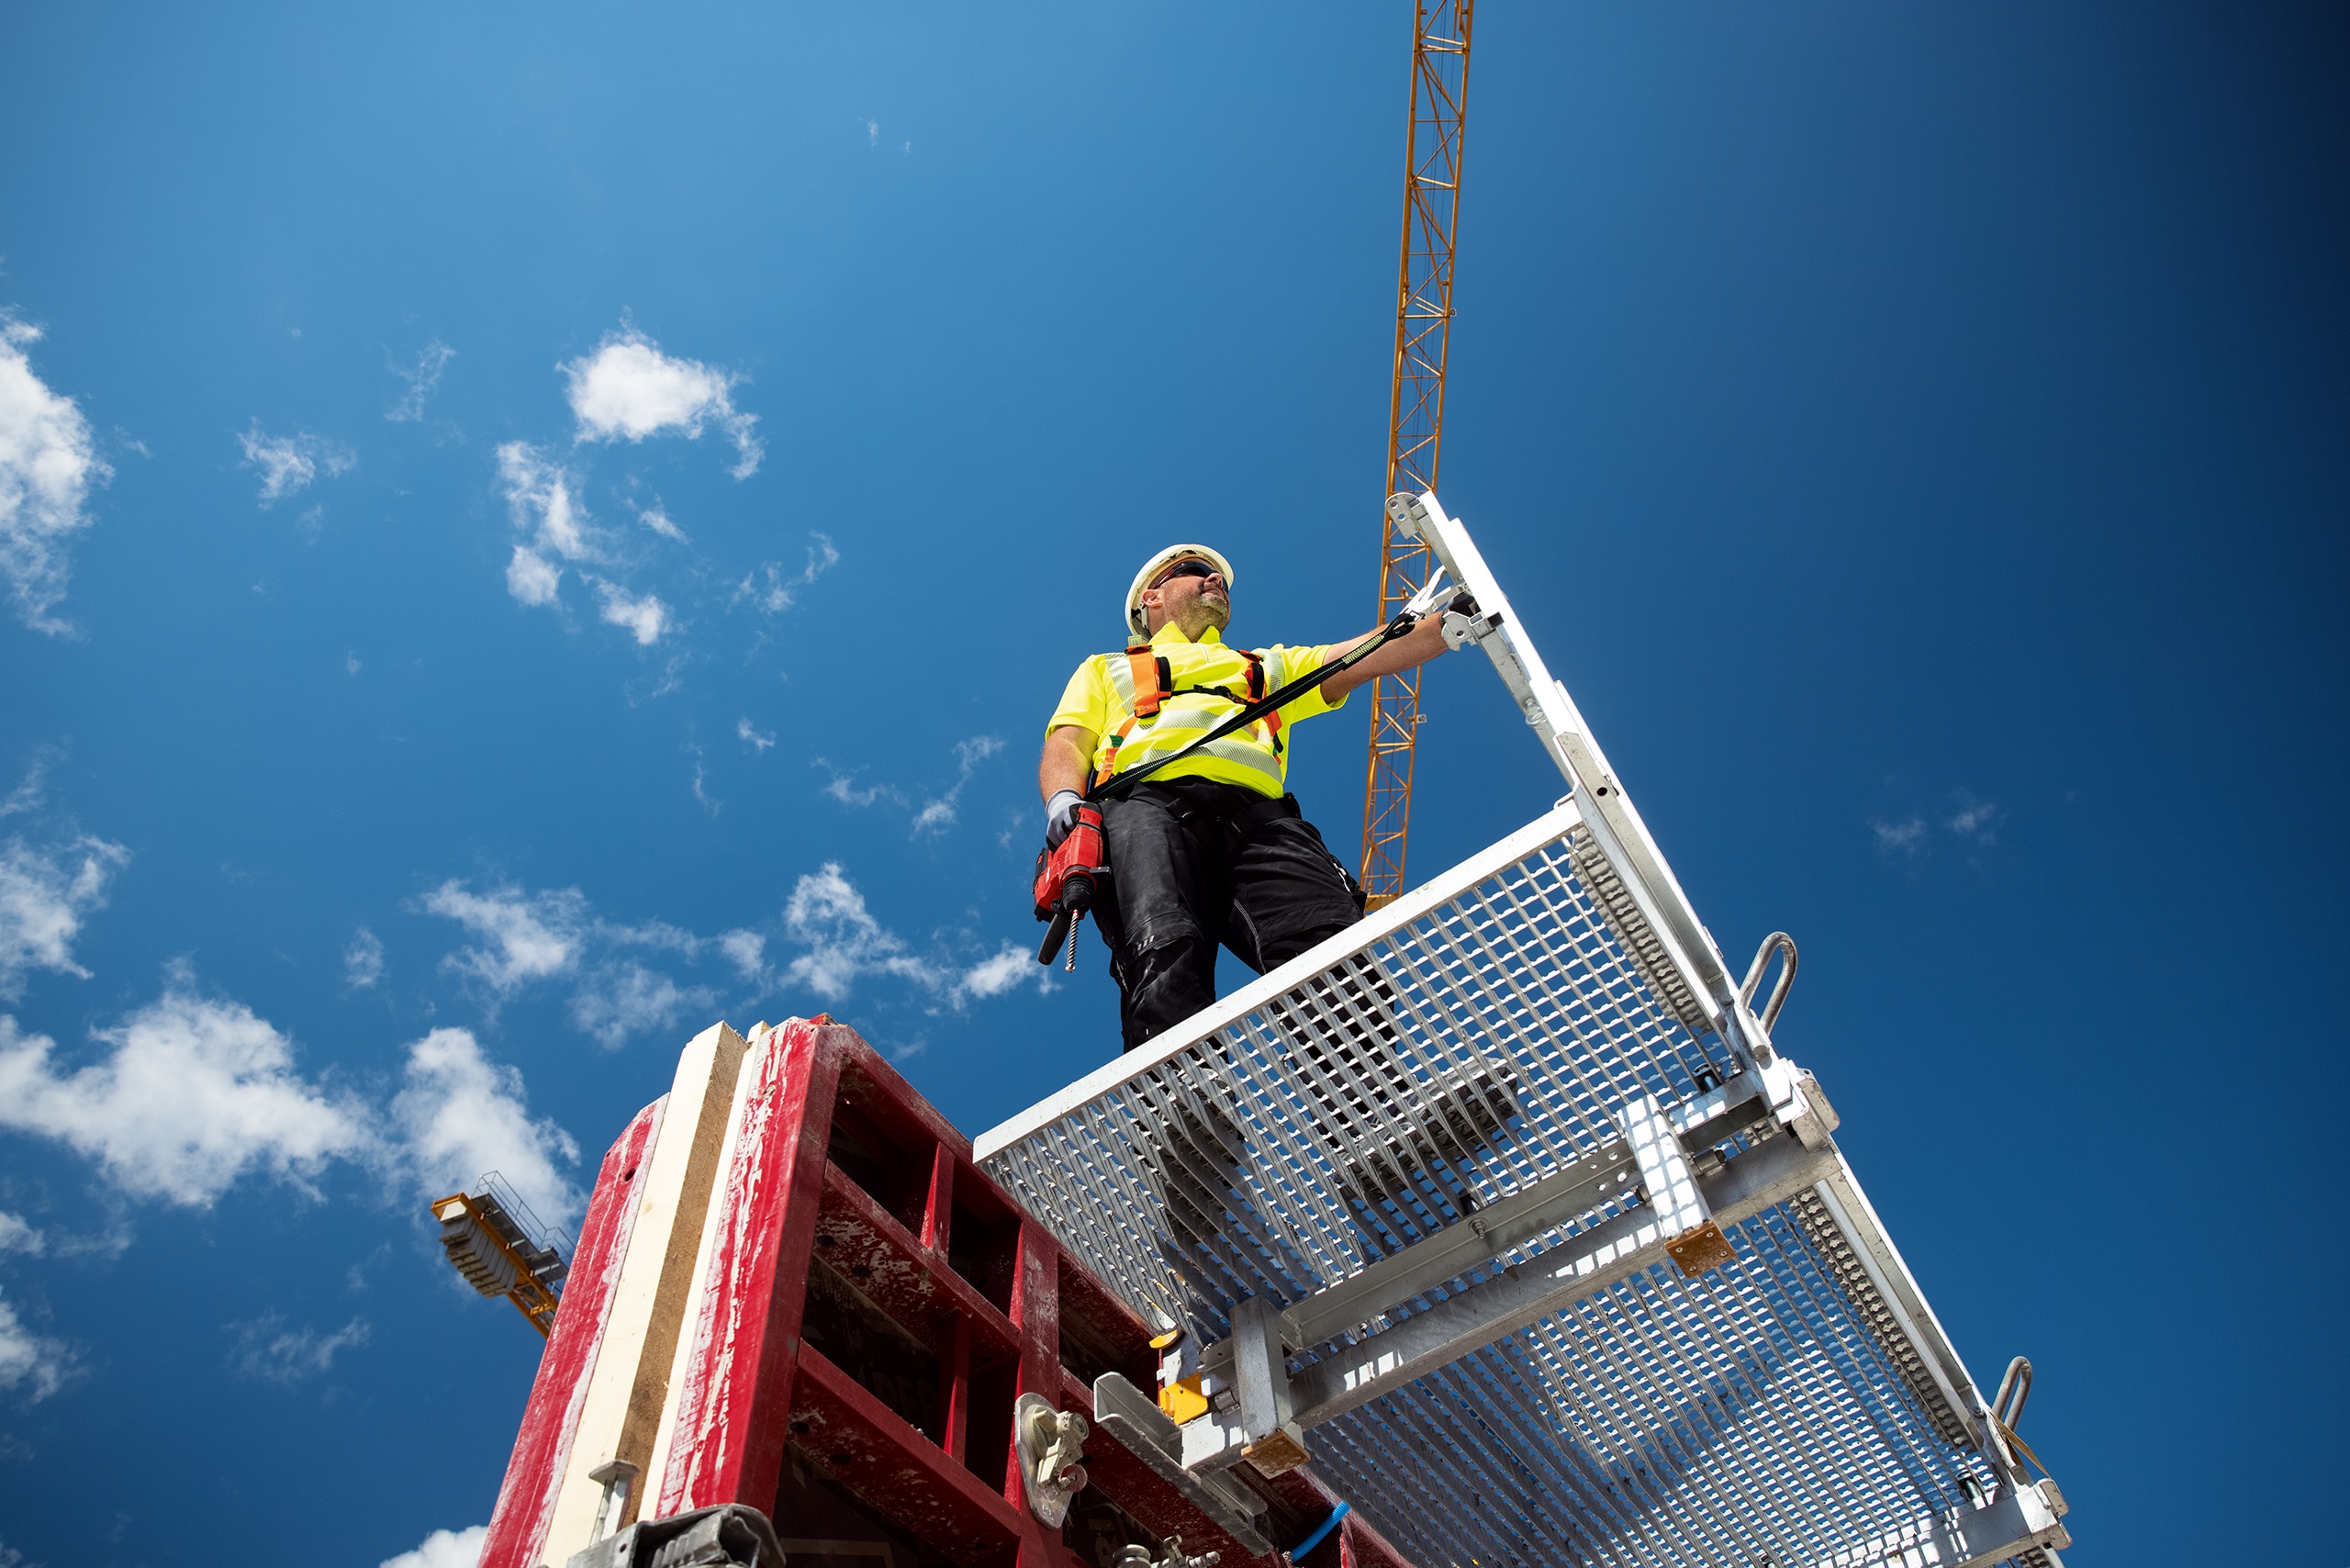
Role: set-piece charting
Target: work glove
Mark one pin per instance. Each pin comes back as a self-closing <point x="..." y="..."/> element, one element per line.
<point x="1060" y="815"/>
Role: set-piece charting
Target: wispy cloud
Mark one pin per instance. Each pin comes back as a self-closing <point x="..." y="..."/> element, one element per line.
<point x="751" y="737"/>
<point x="843" y="786"/>
<point x="628" y="389"/>
<point x="842" y="943"/>
<point x="626" y="998"/>
<point x="49" y="463"/>
<point x="1975" y="820"/>
<point x="268" y="1349"/>
<point x="934" y="813"/>
<point x="423" y="379"/>
<point x="539" y="499"/>
<point x="17" y="1235"/>
<point x="746" y="950"/>
<point x="1970" y="818"/>
<point x="288" y="464"/>
<point x="937" y="815"/>
<point x="46" y="893"/>
<point x="767" y="588"/>
<point x="34" y="1364"/>
<point x="362" y="961"/>
<point x="1904" y="837"/>
<point x="702" y="797"/>
<point x="523" y="937"/>
<point x="660" y="522"/>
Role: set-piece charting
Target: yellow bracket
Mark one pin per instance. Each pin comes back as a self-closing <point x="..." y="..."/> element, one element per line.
<point x="1182" y="1401"/>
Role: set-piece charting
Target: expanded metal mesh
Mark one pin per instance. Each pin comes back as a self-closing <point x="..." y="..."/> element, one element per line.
<point x="1466" y="1042"/>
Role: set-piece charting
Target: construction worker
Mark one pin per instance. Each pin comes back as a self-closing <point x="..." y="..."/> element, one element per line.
<point x="1211" y="848"/>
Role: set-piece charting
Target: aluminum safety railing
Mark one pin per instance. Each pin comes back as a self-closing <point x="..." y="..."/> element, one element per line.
<point x="1405" y="1165"/>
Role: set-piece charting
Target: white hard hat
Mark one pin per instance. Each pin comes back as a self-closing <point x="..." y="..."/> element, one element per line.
<point x="1138" y="618"/>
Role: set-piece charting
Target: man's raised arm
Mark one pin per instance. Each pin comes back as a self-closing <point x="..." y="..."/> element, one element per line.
<point x="1414" y="647"/>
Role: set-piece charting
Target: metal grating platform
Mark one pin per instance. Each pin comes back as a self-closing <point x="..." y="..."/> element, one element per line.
<point x="1329" y="1115"/>
<point x="1796" y="1405"/>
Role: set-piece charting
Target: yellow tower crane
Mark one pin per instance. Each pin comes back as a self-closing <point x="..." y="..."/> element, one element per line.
<point x="1416" y="409"/>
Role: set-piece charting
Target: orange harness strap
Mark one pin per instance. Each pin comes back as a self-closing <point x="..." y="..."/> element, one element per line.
<point x="1150" y="692"/>
<point x="1272" y="721"/>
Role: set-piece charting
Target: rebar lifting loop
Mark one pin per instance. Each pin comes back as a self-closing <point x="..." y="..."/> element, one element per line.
<point x="1770" y="1014"/>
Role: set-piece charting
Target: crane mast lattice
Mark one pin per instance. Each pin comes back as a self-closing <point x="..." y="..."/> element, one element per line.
<point x="1415" y="410"/>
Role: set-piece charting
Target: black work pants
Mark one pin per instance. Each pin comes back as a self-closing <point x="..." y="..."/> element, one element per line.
<point x="1195" y="864"/>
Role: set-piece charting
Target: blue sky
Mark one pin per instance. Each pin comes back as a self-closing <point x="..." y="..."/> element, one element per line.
<point x="529" y="531"/>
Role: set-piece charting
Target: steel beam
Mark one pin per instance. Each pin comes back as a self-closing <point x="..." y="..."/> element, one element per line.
<point x="1583" y="1265"/>
<point x="2018" y="1521"/>
<point x="1135" y="1421"/>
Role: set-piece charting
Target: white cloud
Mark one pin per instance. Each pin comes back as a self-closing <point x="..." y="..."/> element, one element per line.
<point x="289" y="463"/>
<point x="646" y="617"/>
<point x="26" y="796"/>
<point x="459" y="1115"/>
<point x="1977" y="820"/>
<point x="527" y="938"/>
<point x="195" y="1093"/>
<point x="45" y="894"/>
<point x="444" y="1548"/>
<point x="628" y="389"/>
<point x="1902" y="837"/>
<point x="626" y="999"/>
<point x="540" y="503"/>
<point x="843" y="789"/>
<point x="702" y="797"/>
<point x="827" y="915"/>
<point x="746" y="950"/>
<point x="1011" y="965"/>
<point x="48" y="463"/>
<point x="266" y="1348"/>
<point x="362" y="961"/>
<point x="658" y="520"/>
<point x="939" y="815"/>
<point x="768" y="589"/>
<point x="33" y="1363"/>
<point x="756" y="741"/>
<point x="422" y="381"/>
<point x="17" y="1235"/>
<point x="936" y="814"/>
<point x="532" y="578"/>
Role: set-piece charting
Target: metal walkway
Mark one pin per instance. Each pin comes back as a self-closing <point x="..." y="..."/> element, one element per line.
<point x="1547" y="1253"/>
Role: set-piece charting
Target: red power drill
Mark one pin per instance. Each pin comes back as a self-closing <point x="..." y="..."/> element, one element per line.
<point x="1066" y="879"/>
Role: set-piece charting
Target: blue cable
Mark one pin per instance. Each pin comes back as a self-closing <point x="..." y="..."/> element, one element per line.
<point x="1325" y="1527"/>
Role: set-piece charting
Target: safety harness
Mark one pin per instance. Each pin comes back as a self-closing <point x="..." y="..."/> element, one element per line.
<point x="1154" y="683"/>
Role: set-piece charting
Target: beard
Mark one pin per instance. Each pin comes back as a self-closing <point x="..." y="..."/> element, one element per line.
<point x="1204" y="612"/>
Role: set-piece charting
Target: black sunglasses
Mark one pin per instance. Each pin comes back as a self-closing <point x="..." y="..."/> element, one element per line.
<point x="1186" y="569"/>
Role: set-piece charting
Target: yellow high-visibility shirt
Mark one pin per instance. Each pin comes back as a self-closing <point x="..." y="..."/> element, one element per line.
<point x="1100" y="698"/>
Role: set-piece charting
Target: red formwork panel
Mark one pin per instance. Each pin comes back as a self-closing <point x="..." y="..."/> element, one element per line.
<point x="869" y="1305"/>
